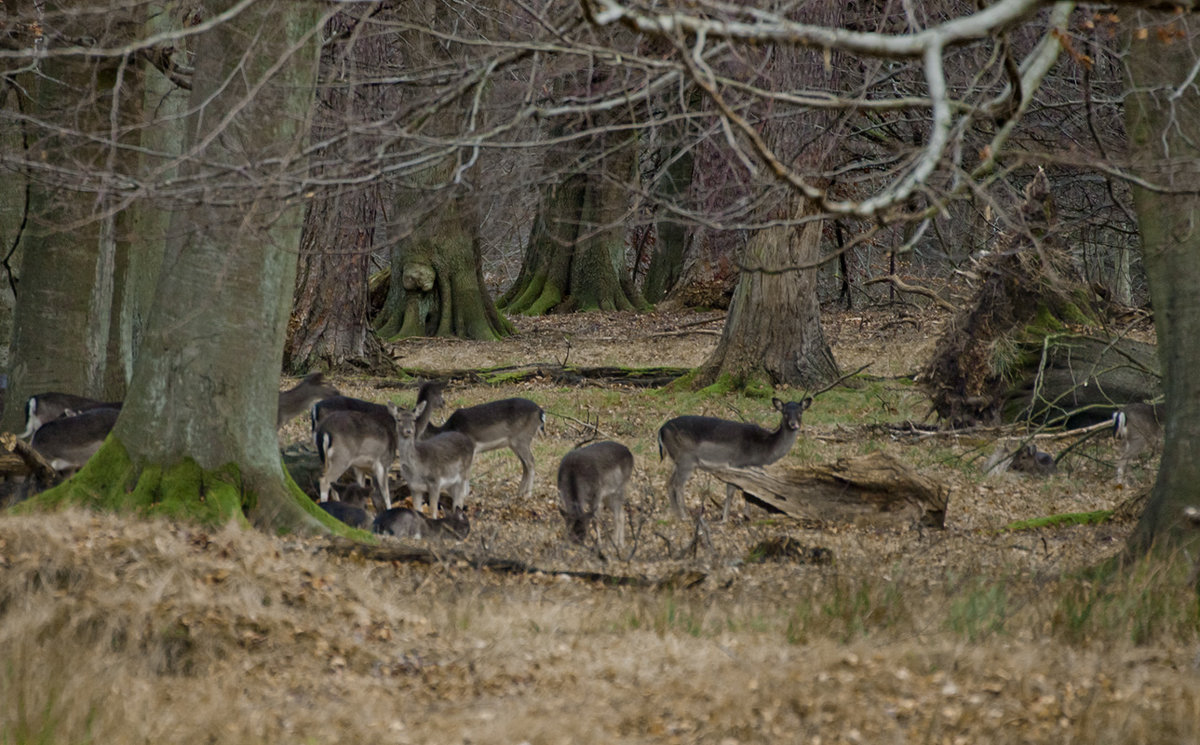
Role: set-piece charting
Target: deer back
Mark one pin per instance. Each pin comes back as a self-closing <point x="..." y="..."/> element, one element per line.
<point x="296" y="400"/>
<point x="355" y="438"/>
<point x="586" y="477"/>
<point x="717" y="443"/>
<point x="378" y="413"/>
<point x="46" y="407"/>
<point x="495" y="424"/>
<point x="68" y="442"/>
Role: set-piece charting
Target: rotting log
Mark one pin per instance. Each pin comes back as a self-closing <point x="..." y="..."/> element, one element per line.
<point x="23" y="460"/>
<point x="875" y="489"/>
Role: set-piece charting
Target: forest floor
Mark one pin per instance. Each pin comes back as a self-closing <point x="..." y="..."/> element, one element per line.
<point x="115" y="630"/>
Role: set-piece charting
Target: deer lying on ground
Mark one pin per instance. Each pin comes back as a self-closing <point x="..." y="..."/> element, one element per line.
<point x="1033" y="461"/>
<point x="707" y="442"/>
<point x="406" y="523"/>
<point x="1136" y="428"/>
<point x="46" y="407"/>
<point x="437" y="463"/>
<point x="69" y="441"/>
<point x="589" y="477"/>
<point x="510" y="422"/>
<point x="296" y="400"/>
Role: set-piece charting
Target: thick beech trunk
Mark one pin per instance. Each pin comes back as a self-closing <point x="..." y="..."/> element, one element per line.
<point x="1163" y="121"/>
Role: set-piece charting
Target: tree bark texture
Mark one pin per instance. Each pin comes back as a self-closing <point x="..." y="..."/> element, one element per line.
<point x="330" y="326"/>
<point x="773" y="331"/>
<point x="197" y="434"/>
<point x="1163" y="122"/>
<point x="576" y="254"/>
<point x="72" y="266"/>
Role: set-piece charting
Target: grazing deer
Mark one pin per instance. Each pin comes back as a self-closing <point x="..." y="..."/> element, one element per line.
<point x="69" y="441"/>
<point x="588" y="477"/>
<point x="442" y="461"/>
<point x="1136" y="427"/>
<point x="406" y="523"/>
<point x="1033" y="461"/>
<point x="707" y="442"/>
<point x="510" y="422"/>
<point x="46" y="407"/>
<point x="296" y="400"/>
<point x="354" y="439"/>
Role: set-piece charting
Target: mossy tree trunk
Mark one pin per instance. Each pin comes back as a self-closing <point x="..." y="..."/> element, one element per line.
<point x="330" y="327"/>
<point x="72" y="266"/>
<point x="666" y="263"/>
<point x="773" y="332"/>
<point x="575" y="259"/>
<point x="197" y="435"/>
<point x="1163" y="121"/>
<point x="437" y="284"/>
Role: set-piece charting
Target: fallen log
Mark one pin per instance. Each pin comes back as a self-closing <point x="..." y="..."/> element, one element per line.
<point x="679" y="579"/>
<point x="22" y="460"/>
<point x="875" y="489"/>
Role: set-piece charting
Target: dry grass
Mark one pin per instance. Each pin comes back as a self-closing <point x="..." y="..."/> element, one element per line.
<point x="122" y="631"/>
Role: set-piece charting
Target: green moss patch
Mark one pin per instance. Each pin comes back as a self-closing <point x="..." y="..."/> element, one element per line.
<point x="1059" y="521"/>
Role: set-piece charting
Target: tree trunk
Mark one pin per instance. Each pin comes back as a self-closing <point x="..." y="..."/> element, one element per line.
<point x="197" y="435"/>
<point x="576" y="254"/>
<point x="1163" y="121"/>
<point x="773" y="333"/>
<point x="63" y="332"/>
<point x="437" y="280"/>
<point x="330" y="327"/>
<point x="666" y="263"/>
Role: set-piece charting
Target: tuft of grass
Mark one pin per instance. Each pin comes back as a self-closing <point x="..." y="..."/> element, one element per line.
<point x="980" y="610"/>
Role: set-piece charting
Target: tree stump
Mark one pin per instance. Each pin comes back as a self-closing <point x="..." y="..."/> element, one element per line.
<point x="875" y="489"/>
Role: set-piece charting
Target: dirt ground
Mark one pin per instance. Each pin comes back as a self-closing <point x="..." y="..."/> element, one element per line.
<point x="117" y="630"/>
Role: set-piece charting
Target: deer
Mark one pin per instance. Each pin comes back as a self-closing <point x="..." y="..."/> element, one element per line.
<point x="405" y="523"/>
<point x="1033" y="461"/>
<point x="348" y="439"/>
<point x="509" y="422"/>
<point x="428" y="391"/>
<point x="46" y="407"/>
<point x="296" y="400"/>
<point x="69" y="441"/>
<point x="1136" y="427"/>
<point x="589" y="477"/>
<point x="441" y="461"/>
<point x="709" y="443"/>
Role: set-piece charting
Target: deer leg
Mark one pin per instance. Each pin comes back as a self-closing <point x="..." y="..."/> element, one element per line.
<point x="730" y="489"/>
<point x="616" y="506"/>
<point x="679" y="479"/>
<point x="458" y="494"/>
<point x="525" y="453"/>
<point x="381" y="481"/>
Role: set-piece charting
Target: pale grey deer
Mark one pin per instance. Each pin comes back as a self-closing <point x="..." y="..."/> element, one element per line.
<point x="1137" y="427"/>
<point x="296" y="400"/>
<point x="68" y="442"/>
<point x="510" y="422"/>
<point x="431" y="465"/>
<point x="1032" y="461"/>
<point x="428" y="391"/>
<point x="46" y="407"/>
<point x="590" y="477"/>
<point x="708" y="443"/>
<point x="348" y="439"/>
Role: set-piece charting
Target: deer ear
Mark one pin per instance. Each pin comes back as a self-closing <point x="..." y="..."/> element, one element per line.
<point x="806" y="403"/>
<point x="777" y="404"/>
<point x="420" y="407"/>
<point x="393" y="409"/>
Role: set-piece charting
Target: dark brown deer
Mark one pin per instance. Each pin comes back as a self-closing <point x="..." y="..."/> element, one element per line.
<point x="707" y="443"/>
<point x="510" y="423"/>
<point x="46" y="407"/>
<point x="68" y="442"/>
<point x="590" y="477"/>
